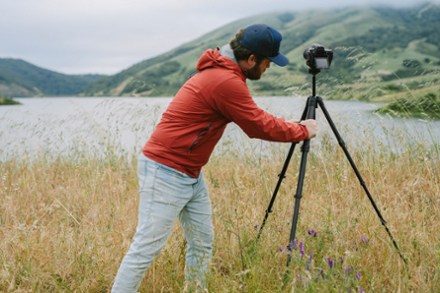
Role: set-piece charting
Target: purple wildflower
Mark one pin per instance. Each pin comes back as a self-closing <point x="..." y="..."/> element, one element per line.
<point x="358" y="275"/>
<point x="309" y="262"/>
<point x="312" y="232"/>
<point x="361" y="290"/>
<point x="321" y="273"/>
<point x="295" y="244"/>
<point x="301" y="249"/>
<point x="330" y="262"/>
<point x="292" y="245"/>
<point x="282" y="248"/>
<point x="364" y="239"/>
<point x="348" y="270"/>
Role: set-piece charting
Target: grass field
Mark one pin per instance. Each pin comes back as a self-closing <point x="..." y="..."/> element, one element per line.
<point x="66" y="224"/>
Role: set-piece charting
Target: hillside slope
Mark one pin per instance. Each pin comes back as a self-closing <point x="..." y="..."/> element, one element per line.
<point x="19" y="78"/>
<point x="377" y="52"/>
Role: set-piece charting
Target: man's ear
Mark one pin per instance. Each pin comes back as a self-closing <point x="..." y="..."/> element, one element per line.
<point x="252" y="60"/>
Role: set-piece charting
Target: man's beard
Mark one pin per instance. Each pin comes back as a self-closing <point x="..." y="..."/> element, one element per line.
<point x="254" y="73"/>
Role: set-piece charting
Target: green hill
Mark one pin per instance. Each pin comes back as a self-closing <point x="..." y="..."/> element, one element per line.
<point x="378" y="52"/>
<point x="19" y="78"/>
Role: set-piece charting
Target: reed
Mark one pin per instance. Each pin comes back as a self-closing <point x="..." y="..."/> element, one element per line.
<point x="65" y="224"/>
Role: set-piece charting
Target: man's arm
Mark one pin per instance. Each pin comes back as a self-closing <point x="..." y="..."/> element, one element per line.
<point x="233" y="100"/>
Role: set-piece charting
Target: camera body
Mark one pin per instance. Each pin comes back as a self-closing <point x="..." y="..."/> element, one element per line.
<point x="318" y="57"/>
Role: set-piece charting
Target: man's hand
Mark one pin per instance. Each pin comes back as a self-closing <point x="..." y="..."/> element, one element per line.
<point x="312" y="127"/>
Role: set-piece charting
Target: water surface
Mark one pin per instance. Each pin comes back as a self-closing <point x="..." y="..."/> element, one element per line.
<point x="69" y="126"/>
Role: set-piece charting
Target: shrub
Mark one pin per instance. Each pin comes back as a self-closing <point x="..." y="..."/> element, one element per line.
<point x="8" y="101"/>
<point x="427" y="106"/>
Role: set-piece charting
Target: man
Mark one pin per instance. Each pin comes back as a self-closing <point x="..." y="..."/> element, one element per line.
<point x="171" y="184"/>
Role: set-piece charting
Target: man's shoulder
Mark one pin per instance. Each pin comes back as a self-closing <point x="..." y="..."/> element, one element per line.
<point x="223" y="75"/>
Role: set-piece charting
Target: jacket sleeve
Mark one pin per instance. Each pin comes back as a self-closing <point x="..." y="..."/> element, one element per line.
<point x="233" y="100"/>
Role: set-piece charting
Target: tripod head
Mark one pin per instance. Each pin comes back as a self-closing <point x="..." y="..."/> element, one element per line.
<point x="314" y="71"/>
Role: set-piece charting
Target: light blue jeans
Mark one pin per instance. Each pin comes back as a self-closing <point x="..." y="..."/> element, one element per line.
<point x="165" y="195"/>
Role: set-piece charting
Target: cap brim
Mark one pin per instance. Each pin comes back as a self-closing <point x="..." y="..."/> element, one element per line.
<point x="279" y="60"/>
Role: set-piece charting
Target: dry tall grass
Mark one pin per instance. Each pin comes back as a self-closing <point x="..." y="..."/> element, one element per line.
<point x="65" y="225"/>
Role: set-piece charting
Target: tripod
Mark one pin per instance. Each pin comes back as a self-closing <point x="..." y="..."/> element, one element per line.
<point x="309" y="113"/>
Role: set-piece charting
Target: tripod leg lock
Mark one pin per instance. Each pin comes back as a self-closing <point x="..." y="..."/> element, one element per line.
<point x="283" y="176"/>
<point x="305" y="148"/>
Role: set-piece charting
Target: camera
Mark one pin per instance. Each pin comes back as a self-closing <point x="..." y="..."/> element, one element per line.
<point x="318" y="57"/>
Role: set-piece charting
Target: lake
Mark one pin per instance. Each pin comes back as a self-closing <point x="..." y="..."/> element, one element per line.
<point x="71" y="126"/>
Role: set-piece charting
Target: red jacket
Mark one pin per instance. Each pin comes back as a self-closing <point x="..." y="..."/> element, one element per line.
<point x="195" y="119"/>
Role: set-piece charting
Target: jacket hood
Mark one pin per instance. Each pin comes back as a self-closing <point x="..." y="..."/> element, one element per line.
<point x="213" y="59"/>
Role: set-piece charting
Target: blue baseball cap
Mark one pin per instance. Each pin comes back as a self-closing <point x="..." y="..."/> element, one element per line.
<point x="264" y="40"/>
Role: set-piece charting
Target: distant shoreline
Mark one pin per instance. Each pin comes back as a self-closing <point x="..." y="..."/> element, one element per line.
<point x="5" y="101"/>
<point x="422" y="107"/>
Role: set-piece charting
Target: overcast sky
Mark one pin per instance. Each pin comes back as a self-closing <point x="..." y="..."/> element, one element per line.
<point x="107" y="36"/>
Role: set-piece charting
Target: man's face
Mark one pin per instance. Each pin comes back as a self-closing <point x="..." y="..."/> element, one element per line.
<point x="255" y="72"/>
